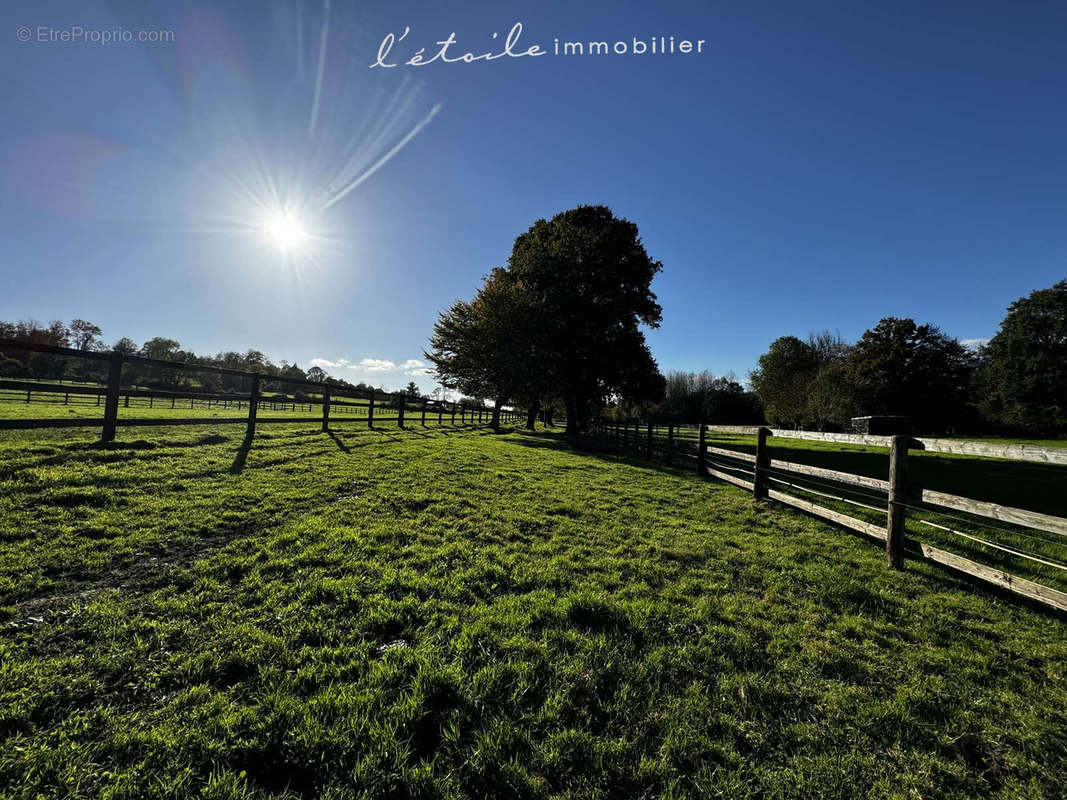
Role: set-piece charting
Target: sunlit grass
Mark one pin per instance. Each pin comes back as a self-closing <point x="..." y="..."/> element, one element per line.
<point x="460" y="614"/>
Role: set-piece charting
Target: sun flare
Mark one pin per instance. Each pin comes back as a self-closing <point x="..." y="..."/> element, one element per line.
<point x="287" y="231"/>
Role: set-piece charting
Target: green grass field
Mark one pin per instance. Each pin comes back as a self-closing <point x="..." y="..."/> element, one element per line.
<point x="1027" y="485"/>
<point x="453" y="613"/>
<point x="139" y="408"/>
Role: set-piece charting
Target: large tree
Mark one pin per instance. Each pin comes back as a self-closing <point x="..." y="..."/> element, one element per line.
<point x="316" y="375"/>
<point x="85" y="334"/>
<point x="562" y="320"/>
<point x="805" y="383"/>
<point x="900" y="367"/>
<point x="1023" y="382"/>
<point x="126" y="346"/>
<point x="782" y="380"/>
<point x="588" y="278"/>
<point x="488" y="347"/>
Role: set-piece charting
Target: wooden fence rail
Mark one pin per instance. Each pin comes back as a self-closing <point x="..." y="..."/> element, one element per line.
<point x="1014" y="452"/>
<point x="329" y="398"/>
<point x="753" y="472"/>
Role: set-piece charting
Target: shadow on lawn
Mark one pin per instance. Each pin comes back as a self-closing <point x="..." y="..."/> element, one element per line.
<point x="344" y="448"/>
<point x="337" y="436"/>
<point x="604" y="448"/>
<point x="597" y="446"/>
<point x="264" y="445"/>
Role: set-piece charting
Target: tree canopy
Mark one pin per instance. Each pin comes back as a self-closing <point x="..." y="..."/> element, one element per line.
<point x="1023" y="381"/>
<point x="782" y="379"/>
<point x="562" y="319"/>
<point x="897" y="367"/>
<point x="590" y="277"/>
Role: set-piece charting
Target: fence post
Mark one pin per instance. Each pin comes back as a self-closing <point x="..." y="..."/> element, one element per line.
<point x="424" y="413"/>
<point x="440" y="413"/>
<point x="253" y="405"/>
<point x="453" y="423"/>
<point x="670" y="444"/>
<point x="325" y="409"/>
<point x="648" y="443"/>
<point x="111" y="400"/>
<point x="400" y="414"/>
<point x="701" y="444"/>
<point x="370" y="411"/>
<point x="898" y="495"/>
<point x="763" y="463"/>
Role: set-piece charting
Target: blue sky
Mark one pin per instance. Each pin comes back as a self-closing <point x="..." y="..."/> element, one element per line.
<point x="818" y="166"/>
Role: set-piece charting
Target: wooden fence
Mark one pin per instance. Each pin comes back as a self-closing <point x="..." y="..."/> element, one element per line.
<point x="767" y="477"/>
<point x="325" y="401"/>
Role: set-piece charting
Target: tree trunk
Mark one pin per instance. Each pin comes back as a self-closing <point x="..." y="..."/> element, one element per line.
<point x="531" y="415"/>
<point x="496" y="413"/>
<point x="572" y="416"/>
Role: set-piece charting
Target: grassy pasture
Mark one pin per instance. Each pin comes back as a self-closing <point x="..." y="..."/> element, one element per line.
<point x="12" y="407"/>
<point x="1033" y="486"/>
<point x="452" y="613"/>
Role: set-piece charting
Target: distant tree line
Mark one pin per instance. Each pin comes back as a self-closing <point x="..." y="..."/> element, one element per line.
<point x="558" y="329"/>
<point x="1017" y="382"/>
<point x="81" y="334"/>
<point x="691" y="397"/>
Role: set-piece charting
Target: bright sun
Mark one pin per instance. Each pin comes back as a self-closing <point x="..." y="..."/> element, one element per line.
<point x="287" y="231"/>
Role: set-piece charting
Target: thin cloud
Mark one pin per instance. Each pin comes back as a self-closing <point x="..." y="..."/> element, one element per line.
<point x="375" y="365"/>
<point x="412" y="367"/>
<point x="325" y="362"/>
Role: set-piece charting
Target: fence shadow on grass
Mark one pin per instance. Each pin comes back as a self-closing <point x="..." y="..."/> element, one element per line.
<point x="338" y="435"/>
<point x="344" y="448"/>
<point x="604" y="448"/>
<point x="239" y="458"/>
